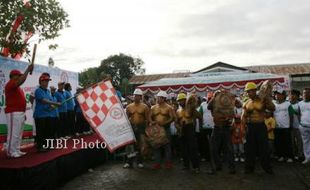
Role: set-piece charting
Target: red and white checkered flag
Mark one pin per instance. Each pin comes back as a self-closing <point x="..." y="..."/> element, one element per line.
<point x="105" y="114"/>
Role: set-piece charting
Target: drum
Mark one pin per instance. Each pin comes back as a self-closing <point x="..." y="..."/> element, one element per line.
<point x="224" y="104"/>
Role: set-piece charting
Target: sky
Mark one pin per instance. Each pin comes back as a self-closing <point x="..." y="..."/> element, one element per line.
<point x="182" y="35"/>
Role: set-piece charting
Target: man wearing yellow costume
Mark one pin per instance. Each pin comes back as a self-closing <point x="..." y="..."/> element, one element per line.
<point x="254" y="110"/>
<point x="186" y="121"/>
<point x="138" y="115"/>
<point x="162" y="114"/>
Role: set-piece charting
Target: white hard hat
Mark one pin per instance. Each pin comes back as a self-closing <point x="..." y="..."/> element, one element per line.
<point x="138" y="92"/>
<point x="162" y="94"/>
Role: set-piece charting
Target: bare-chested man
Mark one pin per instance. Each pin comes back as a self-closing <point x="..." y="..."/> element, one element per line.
<point x="138" y="115"/>
<point x="162" y="114"/>
<point x="254" y="110"/>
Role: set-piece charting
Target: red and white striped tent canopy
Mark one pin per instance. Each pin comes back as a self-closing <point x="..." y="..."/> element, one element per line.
<point x="233" y="81"/>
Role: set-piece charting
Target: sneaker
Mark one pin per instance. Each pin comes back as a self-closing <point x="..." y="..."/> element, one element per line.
<point x="22" y="153"/>
<point x="281" y="159"/>
<point x="290" y="160"/>
<point x="126" y="165"/>
<point x="203" y="159"/>
<point x="242" y="160"/>
<point x="14" y="155"/>
<point x="306" y="161"/>
<point x="140" y="165"/>
<point x="236" y="159"/>
<point x="296" y="158"/>
<point x="77" y="134"/>
<point x="67" y="137"/>
<point x="155" y="166"/>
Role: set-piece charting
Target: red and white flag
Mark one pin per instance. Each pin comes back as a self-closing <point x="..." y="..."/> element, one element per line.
<point x="106" y="115"/>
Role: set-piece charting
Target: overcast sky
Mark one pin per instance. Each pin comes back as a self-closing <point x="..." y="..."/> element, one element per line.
<point x="174" y="35"/>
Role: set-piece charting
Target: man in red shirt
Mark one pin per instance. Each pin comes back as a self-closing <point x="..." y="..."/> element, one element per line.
<point x="15" y="111"/>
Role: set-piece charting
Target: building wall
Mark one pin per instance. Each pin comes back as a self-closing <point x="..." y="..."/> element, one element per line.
<point x="300" y="82"/>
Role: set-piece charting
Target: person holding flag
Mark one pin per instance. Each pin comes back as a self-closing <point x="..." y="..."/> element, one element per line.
<point x="43" y="114"/>
<point x="137" y="113"/>
<point x="15" y="111"/>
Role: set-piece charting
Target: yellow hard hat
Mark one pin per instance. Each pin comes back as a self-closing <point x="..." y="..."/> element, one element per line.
<point x="181" y="96"/>
<point x="250" y="86"/>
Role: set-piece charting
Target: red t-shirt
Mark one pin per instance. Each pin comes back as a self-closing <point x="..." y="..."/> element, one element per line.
<point x="14" y="98"/>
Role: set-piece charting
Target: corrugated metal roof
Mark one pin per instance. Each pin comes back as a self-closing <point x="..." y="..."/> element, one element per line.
<point x="141" y="79"/>
<point x="285" y="69"/>
<point x="292" y="69"/>
<point x="229" y="77"/>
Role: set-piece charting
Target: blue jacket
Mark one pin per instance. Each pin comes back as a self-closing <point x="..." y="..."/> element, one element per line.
<point x="42" y="110"/>
<point x="70" y="103"/>
<point x="61" y="97"/>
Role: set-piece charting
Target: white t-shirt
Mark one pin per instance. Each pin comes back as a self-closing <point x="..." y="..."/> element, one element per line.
<point x="281" y="114"/>
<point x="208" y="122"/>
<point x="304" y="113"/>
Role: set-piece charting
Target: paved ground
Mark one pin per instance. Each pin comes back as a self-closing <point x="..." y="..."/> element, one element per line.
<point x="112" y="176"/>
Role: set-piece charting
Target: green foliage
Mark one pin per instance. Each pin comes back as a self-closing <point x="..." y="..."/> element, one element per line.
<point x="44" y="17"/>
<point x="119" y="68"/>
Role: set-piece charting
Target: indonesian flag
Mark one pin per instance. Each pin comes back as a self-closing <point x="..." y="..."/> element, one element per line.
<point x="104" y="112"/>
<point x="14" y="28"/>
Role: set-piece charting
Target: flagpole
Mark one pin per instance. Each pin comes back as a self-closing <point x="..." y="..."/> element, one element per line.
<point x="33" y="56"/>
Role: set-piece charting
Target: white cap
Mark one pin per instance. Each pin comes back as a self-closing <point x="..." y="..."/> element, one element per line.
<point x="138" y="92"/>
<point x="162" y="94"/>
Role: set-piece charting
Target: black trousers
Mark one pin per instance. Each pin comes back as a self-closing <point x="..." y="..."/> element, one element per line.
<point x="257" y="143"/>
<point x="189" y="146"/>
<point x="140" y="137"/>
<point x="71" y="129"/>
<point x="203" y="144"/>
<point x="283" y="143"/>
<point x="62" y="131"/>
<point x="81" y="124"/>
<point x="221" y="139"/>
<point x="44" y="131"/>
<point x="54" y="126"/>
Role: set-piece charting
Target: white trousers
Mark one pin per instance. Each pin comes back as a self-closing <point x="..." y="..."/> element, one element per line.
<point x="15" y="123"/>
<point x="305" y="135"/>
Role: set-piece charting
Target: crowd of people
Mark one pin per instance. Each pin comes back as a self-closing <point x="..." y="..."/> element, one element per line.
<point x="277" y="127"/>
<point x="56" y="113"/>
<point x="191" y="128"/>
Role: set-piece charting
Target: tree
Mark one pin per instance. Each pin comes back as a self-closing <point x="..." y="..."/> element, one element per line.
<point x="117" y="67"/>
<point x="42" y="17"/>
